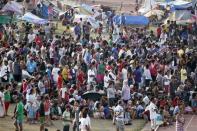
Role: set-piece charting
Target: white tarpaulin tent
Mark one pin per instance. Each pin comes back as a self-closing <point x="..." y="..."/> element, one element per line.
<point x="181" y="17"/>
<point x="147" y="6"/>
<point x="158" y="13"/>
<point x="13" y="7"/>
<point x="177" y="4"/>
<point x="77" y="17"/>
<point x="94" y="23"/>
<point x="33" y="19"/>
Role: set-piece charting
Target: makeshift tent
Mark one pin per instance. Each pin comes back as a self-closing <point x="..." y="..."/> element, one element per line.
<point x="4" y="19"/>
<point x="88" y="8"/>
<point x="158" y="13"/>
<point x="78" y="16"/>
<point x="177" y="4"/>
<point x="130" y="20"/>
<point x="13" y="7"/>
<point x="147" y="6"/>
<point x="33" y="19"/>
<point x="43" y="9"/>
<point x="181" y="17"/>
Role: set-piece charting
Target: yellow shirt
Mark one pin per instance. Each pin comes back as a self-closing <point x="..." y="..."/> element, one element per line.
<point x="180" y="52"/>
<point x="65" y="73"/>
<point x="183" y="75"/>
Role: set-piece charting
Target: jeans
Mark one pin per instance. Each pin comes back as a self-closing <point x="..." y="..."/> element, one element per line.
<point x="66" y="128"/>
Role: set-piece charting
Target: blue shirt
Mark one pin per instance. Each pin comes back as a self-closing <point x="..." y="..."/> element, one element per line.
<point x="77" y="30"/>
<point x="138" y="75"/>
<point x="31" y="66"/>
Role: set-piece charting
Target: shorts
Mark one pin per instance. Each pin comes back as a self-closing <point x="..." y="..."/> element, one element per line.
<point x="120" y="125"/>
<point x="42" y="120"/>
<point x="19" y="121"/>
<point x="47" y="113"/>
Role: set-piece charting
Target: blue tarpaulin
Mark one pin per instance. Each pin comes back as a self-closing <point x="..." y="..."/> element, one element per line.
<point x="130" y="20"/>
<point x="44" y="11"/>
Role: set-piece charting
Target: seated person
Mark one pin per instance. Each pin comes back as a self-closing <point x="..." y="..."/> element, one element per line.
<point x="107" y="112"/>
<point x="98" y="111"/>
<point x="127" y="117"/>
<point x="56" y="111"/>
<point x="139" y="110"/>
<point x="194" y="103"/>
<point x="167" y="117"/>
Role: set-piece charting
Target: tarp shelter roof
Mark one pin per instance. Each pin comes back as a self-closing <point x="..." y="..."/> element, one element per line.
<point x="154" y="12"/>
<point x="147" y="6"/>
<point x="177" y="4"/>
<point x="4" y="19"/>
<point x="130" y="20"/>
<point x="181" y="17"/>
<point x="13" y="7"/>
<point x="33" y="19"/>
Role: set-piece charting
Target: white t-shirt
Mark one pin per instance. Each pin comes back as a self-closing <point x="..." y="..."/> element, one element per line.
<point x="147" y="74"/>
<point x="55" y="73"/>
<point x="111" y="92"/>
<point x="31" y="37"/>
<point x="106" y="80"/>
<point x="152" y="109"/>
<point x="119" y="109"/>
<point x="84" y="123"/>
<point x="90" y="74"/>
<point x="62" y="51"/>
<point x="63" y="90"/>
<point x="124" y="74"/>
<point x="51" y="52"/>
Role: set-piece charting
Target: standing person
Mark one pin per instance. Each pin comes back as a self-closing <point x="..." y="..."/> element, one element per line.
<point x="147" y="76"/>
<point x="180" y="121"/>
<point x="76" y="118"/>
<point x="77" y="31"/>
<point x="91" y="75"/>
<point x="111" y="94"/>
<point x="42" y="113"/>
<point x="66" y="117"/>
<point x="59" y="82"/>
<point x="4" y="74"/>
<point x="19" y="114"/>
<point x="47" y="106"/>
<point x="119" y="116"/>
<point x="126" y="95"/>
<point x="84" y="122"/>
<point x="2" y="109"/>
<point x="183" y="72"/>
<point x="7" y="98"/>
<point x="152" y="109"/>
<point x="17" y="71"/>
<point x="124" y="73"/>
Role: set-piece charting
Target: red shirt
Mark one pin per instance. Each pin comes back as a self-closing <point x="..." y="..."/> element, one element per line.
<point x="153" y="70"/>
<point x="162" y="103"/>
<point x="60" y="82"/>
<point x="158" y="32"/>
<point x="24" y="87"/>
<point x="80" y="77"/>
<point x="38" y="41"/>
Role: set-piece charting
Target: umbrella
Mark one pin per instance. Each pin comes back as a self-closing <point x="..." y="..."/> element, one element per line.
<point x="91" y="95"/>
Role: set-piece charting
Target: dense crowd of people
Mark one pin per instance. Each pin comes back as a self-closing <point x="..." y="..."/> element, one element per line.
<point x="139" y="73"/>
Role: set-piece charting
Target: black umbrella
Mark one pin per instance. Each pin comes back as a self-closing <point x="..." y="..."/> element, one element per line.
<point x="92" y="96"/>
